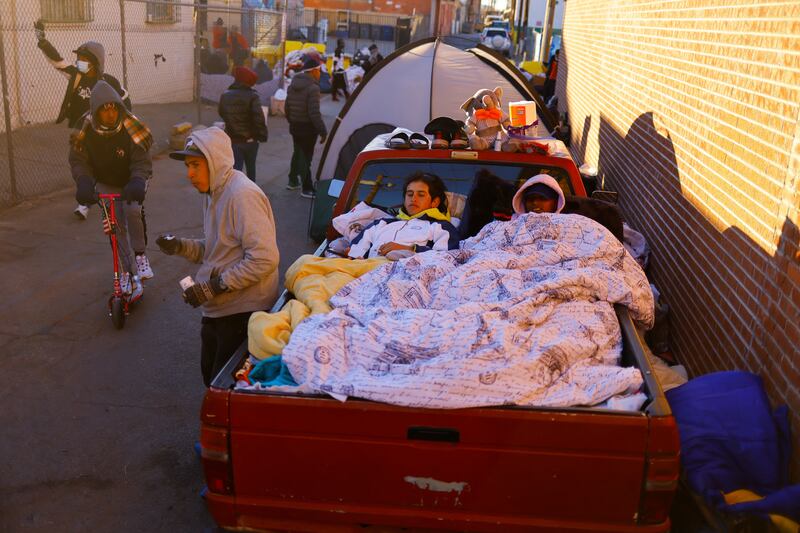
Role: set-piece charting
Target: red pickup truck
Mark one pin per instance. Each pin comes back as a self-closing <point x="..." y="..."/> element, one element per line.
<point x="275" y="461"/>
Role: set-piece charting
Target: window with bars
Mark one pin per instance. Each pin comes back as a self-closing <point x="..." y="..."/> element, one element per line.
<point x="67" y="10"/>
<point x="163" y="12"/>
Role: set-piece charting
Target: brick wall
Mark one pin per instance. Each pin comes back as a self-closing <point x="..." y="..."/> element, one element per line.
<point x="691" y="110"/>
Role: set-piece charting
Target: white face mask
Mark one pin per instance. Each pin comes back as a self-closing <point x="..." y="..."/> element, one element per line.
<point x="82" y="66"/>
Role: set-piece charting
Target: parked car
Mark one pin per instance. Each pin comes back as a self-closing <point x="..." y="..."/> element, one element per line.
<point x="490" y="19"/>
<point x="497" y="39"/>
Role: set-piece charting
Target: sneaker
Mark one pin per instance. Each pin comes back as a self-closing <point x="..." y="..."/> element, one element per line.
<point x="308" y="194"/>
<point x="81" y="212"/>
<point x="125" y="283"/>
<point x="143" y="267"/>
<point x="137" y="289"/>
<point x="292" y="186"/>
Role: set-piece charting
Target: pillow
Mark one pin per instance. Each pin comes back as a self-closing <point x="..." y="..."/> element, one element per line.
<point x="455" y="203"/>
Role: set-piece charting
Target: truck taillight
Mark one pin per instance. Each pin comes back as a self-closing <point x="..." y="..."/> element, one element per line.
<point x="661" y="471"/>
<point x="216" y="459"/>
<point x="660" y="484"/>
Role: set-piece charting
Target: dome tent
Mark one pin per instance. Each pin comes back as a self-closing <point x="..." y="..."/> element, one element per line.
<point x="413" y="85"/>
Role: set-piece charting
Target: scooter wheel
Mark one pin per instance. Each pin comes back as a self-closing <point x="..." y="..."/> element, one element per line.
<point x="117" y="313"/>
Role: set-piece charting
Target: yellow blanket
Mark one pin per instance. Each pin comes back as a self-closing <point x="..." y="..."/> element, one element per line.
<point x="312" y="280"/>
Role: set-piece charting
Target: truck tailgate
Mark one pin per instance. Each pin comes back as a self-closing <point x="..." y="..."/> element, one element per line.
<point x="316" y="460"/>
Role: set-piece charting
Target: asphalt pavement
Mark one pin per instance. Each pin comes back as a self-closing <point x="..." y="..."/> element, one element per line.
<point x="98" y="424"/>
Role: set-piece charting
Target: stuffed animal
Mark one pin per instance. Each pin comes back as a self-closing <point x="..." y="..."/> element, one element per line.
<point x="486" y="121"/>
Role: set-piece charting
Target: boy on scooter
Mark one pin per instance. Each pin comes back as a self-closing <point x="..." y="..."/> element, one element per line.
<point x="109" y="153"/>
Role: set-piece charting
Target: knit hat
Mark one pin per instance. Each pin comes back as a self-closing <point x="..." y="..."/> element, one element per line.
<point x="245" y="76"/>
<point x="309" y="63"/>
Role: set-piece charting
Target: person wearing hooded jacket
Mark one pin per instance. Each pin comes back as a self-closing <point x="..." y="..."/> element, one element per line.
<point x="238" y="255"/>
<point x="240" y="108"/>
<point x="305" y="124"/>
<point x="87" y="70"/>
<point x="109" y="153"/>
<point x="540" y="194"/>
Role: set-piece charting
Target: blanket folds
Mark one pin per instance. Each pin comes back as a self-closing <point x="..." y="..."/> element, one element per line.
<point x="312" y="280"/>
<point x="521" y="314"/>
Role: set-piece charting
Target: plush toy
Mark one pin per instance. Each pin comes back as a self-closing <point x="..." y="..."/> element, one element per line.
<point x="486" y="121"/>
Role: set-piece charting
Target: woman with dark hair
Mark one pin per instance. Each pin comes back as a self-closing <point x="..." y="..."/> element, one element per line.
<point x="422" y="224"/>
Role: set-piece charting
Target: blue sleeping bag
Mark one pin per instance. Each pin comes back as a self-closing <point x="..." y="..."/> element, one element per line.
<point x="731" y="440"/>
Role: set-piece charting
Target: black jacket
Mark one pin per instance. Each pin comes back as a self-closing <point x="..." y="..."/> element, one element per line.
<point x="79" y="87"/>
<point x="110" y="159"/>
<point x="302" y="103"/>
<point x="240" y="108"/>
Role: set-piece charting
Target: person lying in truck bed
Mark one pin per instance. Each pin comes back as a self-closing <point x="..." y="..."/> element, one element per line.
<point x="422" y="224"/>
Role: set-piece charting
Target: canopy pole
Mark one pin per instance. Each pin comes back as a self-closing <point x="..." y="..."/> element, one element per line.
<point x="547" y="31"/>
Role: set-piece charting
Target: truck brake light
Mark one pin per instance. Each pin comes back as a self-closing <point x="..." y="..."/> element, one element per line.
<point x="216" y="459"/>
<point x="660" y="485"/>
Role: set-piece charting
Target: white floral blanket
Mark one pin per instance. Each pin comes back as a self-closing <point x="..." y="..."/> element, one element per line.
<point x="522" y="314"/>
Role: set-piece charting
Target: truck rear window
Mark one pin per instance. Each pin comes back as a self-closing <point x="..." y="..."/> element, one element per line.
<point x="381" y="182"/>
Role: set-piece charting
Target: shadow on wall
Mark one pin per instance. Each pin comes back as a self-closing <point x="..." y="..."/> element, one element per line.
<point x="728" y="297"/>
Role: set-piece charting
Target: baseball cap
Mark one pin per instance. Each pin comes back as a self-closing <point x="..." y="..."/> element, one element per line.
<point x="540" y="189"/>
<point x="189" y="149"/>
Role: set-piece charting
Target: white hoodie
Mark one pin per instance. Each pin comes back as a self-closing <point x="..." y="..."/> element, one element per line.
<point x="518" y="203"/>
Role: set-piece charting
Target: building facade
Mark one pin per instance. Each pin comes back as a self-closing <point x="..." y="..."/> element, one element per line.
<point x="697" y="125"/>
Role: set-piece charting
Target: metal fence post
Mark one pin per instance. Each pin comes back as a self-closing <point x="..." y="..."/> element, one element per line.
<point x="124" y="47"/>
<point x="7" y="113"/>
<point x="197" y="92"/>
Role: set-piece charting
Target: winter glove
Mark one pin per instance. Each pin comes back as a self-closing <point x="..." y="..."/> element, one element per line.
<point x="169" y="244"/>
<point x="134" y="190"/>
<point x="200" y="293"/>
<point x="38" y="27"/>
<point x="85" y="194"/>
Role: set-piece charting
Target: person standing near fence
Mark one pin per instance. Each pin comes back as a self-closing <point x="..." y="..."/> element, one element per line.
<point x="87" y="70"/>
<point x="240" y="108"/>
<point x="339" y="78"/>
<point x="305" y="123"/>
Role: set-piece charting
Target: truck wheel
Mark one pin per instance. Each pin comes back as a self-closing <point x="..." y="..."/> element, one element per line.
<point x="117" y="313"/>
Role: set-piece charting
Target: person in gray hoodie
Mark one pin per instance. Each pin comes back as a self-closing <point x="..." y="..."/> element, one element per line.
<point x="305" y="124"/>
<point x="239" y="254"/>
<point x="88" y="69"/>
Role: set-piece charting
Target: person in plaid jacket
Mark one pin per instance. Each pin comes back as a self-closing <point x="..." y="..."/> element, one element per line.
<point x="110" y="153"/>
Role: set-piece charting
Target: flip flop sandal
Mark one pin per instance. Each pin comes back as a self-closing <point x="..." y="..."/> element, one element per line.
<point x="440" y="140"/>
<point x="419" y="141"/>
<point x="398" y="141"/>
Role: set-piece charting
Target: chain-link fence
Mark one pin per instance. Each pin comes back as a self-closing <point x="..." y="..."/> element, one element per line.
<point x="172" y="58"/>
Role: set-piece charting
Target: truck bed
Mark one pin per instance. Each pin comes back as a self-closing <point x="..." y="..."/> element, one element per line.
<point x="312" y="462"/>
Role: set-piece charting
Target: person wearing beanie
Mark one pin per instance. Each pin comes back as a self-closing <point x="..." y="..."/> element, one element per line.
<point x="305" y="124"/>
<point x="240" y="108"/>
<point x="540" y="194"/>
<point x="88" y="69"/>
